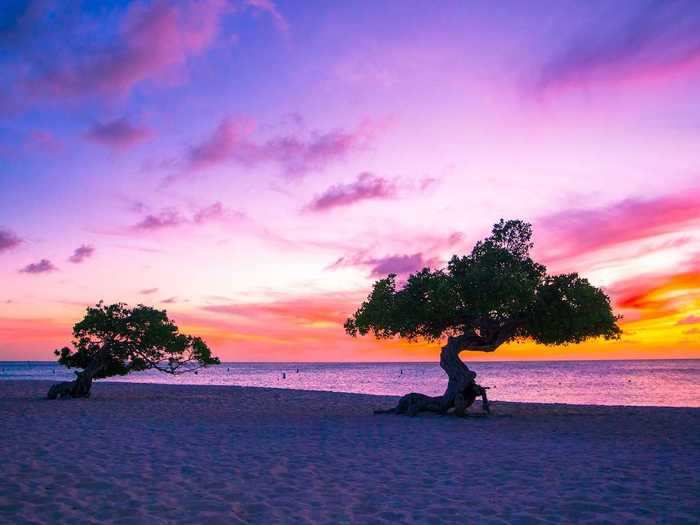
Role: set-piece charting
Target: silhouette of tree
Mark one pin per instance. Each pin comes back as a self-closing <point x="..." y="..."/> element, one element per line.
<point x="114" y="340"/>
<point x="492" y="296"/>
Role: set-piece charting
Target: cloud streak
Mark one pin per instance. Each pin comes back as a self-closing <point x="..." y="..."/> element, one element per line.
<point x="690" y="319"/>
<point x="307" y="310"/>
<point x="571" y="232"/>
<point x="660" y="42"/>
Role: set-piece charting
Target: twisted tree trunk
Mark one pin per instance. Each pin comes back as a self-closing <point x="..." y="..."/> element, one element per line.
<point x="461" y="391"/>
<point x="80" y="387"/>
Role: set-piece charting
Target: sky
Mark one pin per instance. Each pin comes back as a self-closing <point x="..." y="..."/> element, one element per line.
<point x="252" y="166"/>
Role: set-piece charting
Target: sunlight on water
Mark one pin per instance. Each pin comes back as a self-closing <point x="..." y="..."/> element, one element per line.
<point x="661" y="383"/>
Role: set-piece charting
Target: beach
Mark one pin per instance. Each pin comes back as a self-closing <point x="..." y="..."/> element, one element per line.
<point x="148" y="453"/>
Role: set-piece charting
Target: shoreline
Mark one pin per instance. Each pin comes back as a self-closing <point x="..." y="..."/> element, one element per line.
<point x="164" y="453"/>
<point x="385" y="398"/>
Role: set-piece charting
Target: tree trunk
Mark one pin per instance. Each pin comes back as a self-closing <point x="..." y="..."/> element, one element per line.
<point x="80" y="387"/>
<point x="461" y="391"/>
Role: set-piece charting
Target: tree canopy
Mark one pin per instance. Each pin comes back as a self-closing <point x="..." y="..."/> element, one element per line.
<point x="494" y="295"/>
<point x="115" y="340"/>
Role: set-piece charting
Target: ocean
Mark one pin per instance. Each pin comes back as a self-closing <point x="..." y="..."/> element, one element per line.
<point x="640" y="383"/>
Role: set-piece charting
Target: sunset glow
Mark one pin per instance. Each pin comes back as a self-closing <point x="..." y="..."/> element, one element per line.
<point x="254" y="166"/>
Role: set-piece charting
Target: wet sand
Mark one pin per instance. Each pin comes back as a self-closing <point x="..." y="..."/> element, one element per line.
<point x="144" y="453"/>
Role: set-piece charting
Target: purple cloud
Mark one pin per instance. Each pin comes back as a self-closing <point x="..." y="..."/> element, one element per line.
<point x="8" y="240"/>
<point x="168" y="218"/>
<point x="77" y="56"/>
<point x="661" y="41"/>
<point x="430" y="255"/>
<point x="572" y="232"/>
<point x="43" y="266"/>
<point x="398" y="264"/>
<point x="81" y="253"/>
<point x="152" y="38"/>
<point x="171" y="217"/>
<point x="169" y="300"/>
<point x="298" y="156"/>
<point x="213" y="212"/>
<point x="295" y="154"/>
<point x="118" y="134"/>
<point x="366" y="187"/>
<point x="401" y="265"/>
<point x="148" y="291"/>
<point x="228" y="139"/>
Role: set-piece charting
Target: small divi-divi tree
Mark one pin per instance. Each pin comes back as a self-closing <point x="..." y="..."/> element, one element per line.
<point x="114" y="340"/>
<point x="492" y="296"/>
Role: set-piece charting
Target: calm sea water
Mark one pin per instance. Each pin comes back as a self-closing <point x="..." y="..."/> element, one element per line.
<point x="660" y="383"/>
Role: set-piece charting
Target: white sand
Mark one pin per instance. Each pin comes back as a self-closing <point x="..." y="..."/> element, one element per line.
<point x="192" y="454"/>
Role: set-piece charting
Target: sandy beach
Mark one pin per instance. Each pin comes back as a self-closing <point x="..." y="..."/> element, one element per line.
<point x="138" y="453"/>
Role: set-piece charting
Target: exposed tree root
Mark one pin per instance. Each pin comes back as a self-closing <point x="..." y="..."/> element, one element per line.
<point x="461" y="392"/>
<point x="80" y="387"/>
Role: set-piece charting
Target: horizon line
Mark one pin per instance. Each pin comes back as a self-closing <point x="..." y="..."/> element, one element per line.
<point x="408" y="362"/>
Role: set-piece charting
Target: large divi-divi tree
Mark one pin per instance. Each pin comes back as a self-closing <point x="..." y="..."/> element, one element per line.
<point x="115" y="340"/>
<point x="492" y="296"/>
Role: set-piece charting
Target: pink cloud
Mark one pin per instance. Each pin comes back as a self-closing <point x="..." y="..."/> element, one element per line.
<point x="298" y="156"/>
<point x="43" y="266"/>
<point x="660" y="294"/>
<point x="572" y="232"/>
<point x="153" y="38"/>
<point x="661" y="43"/>
<point x="228" y="139"/>
<point x="691" y="319"/>
<point x="297" y="310"/>
<point x="302" y="327"/>
<point x="81" y="253"/>
<point x="214" y="212"/>
<point x="295" y="154"/>
<point x="118" y="134"/>
<point x="431" y="254"/>
<point x="399" y="264"/>
<point x="172" y="218"/>
<point x="167" y="218"/>
<point x="367" y="186"/>
<point x="8" y="240"/>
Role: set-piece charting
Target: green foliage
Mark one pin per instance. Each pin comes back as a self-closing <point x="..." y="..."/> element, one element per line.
<point x="568" y="309"/>
<point x="495" y="294"/>
<point x="115" y="340"/>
